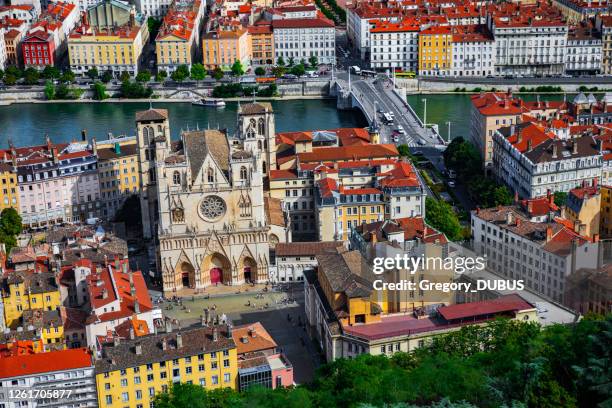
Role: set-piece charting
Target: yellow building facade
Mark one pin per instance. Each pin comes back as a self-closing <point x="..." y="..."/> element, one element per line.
<point x="435" y="50"/>
<point x="118" y="172"/>
<point x="223" y="47"/>
<point x="132" y="372"/>
<point x="27" y="291"/>
<point x="9" y="195"/>
<point x="605" y="225"/>
<point x="115" y="50"/>
<point x="583" y="209"/>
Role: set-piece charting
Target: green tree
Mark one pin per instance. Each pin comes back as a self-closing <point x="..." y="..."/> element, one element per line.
<point x="180" y="74"/>
<point x="237" y="68"/>
<point x="461" y="156"/>
<point x="67" y="76"/>
<point x="107" y="76"/>
<point x="50" y="72"/>
<point x="298" y="70"/>
<point x="218" y="74"/>
<point x="161" y="76"/>
<point x="198" y="72"/>
<point x="260" y="71"/>
<point x="278" y="71"/>
<point x="280" y="61"/>
<point x="403" y="150"/>
<point x="291" y="61"/>
<point x="10" y="79"/>
<point x="153" y="25"/>
<point x="31" y="76"/>
<point x="14" y="71"/>
<point x="99" y="91"/>
<point x="10" y="227"/>
<point x="49" y="91"/>
<point x="560" y="198"/>
<point x="441" y="216"/>
<point x="92" y="73"/>
<point x="143" y="76"/>
<point x="135" y="90"/>
<point x="313" y="61"/>
<point x="1" y="73"/>
<point x="125" y="76"/>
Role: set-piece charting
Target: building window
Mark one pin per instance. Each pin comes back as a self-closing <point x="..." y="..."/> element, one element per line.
<point x="176" y="178"/>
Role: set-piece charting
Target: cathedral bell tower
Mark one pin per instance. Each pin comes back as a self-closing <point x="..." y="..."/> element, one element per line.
<point x="152" y="129"/>
<point x="256" y="130"/>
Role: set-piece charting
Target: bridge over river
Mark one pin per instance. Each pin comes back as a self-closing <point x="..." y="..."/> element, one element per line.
<point x="372" y="95"/>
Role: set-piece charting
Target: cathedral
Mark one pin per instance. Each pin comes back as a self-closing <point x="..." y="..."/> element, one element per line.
<point x="203" y="197"/>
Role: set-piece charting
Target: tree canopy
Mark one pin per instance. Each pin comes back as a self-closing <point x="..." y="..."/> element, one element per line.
<point x="441" y="216"/>
<point x="506" y="363"/>
<point x="10" y="227"/>
<point x="237" y="68"/>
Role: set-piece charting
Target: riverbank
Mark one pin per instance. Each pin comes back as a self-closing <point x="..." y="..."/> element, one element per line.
<point x="424" y="86"/>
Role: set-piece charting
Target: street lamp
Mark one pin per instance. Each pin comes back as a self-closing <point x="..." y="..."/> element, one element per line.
<point x="449" y="132"/>
<point x="424" y="100"/>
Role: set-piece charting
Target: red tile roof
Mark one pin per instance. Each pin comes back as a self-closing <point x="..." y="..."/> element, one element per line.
<point x="349" y="153"/>
<point x="302" y="23"/>
<point x="508" y="303"/>
<point x="52" y="361"/>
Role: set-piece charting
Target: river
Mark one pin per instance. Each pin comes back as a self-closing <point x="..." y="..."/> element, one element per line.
<point x="27" y="124"/>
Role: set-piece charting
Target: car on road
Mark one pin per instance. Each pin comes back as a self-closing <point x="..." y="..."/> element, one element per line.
<point x="421" y="142"/>
<point x="395" y="138"/>
<point x="451" y="183"/>
<point x="290" y="76"/>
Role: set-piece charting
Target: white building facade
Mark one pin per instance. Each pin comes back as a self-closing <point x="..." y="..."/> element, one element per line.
<point x="305" y="37"/>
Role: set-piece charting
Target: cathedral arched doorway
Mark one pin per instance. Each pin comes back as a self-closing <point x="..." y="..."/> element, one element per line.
<point x="187" y="275"/>
<point x="249" y="270"/>
<point x="216" y="269"/>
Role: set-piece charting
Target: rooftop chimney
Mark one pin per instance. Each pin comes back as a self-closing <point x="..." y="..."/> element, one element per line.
<point x="229" y="331"/>
<point x="549" y="233"/>
<point x="132" y="334"/>
<point x="136" y="307"/>
<point x="164" y="344"/>
<point x="116" y="341"/>
<point x="509" y="218"/>
<point x="179" y="340"/>
<point x="138" y="348"/>
<point x="168" y="326"/>
<point x="574" y="147"/>
<point x="554" y="150"/>
<point x="215" y="334"/>
<point x="104" y="293"/>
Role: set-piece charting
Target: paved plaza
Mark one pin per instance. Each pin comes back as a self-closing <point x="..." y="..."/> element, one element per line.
<point x="283" y="318"/>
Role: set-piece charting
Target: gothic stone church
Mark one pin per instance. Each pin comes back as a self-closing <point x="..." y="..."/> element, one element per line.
<point x="203" y="196"/>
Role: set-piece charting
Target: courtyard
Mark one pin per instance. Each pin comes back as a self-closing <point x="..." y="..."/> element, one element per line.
<point x="280" y="311"/>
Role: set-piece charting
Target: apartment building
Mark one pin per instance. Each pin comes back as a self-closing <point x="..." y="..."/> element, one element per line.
<point x="129" y="373"/>
<point x="583" y="210"/>
<point x="532" y="160"/>
<point x="579" y="10"/>
<point x="393" y="194"/>
<point x="584" y="50"/>
<point x="530" y="39"/>
<point x="178" y="40"/>
<point x="110" y="39"/>
<point x="605" y="219"/>
<point x="293" y="182"/>
<point x="590" y="291"/>
<point x="603" y="23"/>
<point x="117" y="172"/>
<point x="25" y="290"/>
<point x="262" y="44"/>
<point x="293" y="258"/>
<point x="301" y="38"/>
<point x="223" y="46"/>
<point x="346" y="317"/>
<point x="541" y="253"/>
<point x="70" y="371"/>
<point x="473" y="51"/>
<point x="435" y="51"/>
<point x="154" y="8"/>
<point x="490" y="112"/>
<point x="14" y="30"/>
<point x="394" y="45"/>
<point x="359" y="18"/>
<point x="9" y="196"/>
<point x="3" y="56"/>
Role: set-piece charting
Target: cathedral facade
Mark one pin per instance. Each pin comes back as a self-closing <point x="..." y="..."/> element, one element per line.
<point x="207" y="193"/>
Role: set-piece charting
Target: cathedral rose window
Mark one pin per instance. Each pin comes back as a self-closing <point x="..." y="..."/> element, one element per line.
<point x="212" y="207"/>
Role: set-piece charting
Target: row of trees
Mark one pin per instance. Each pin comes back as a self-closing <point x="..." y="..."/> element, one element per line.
<point x="505" y="364"/>
<point x="32" y="76"/>
<point x="236" y="90"/>
<point x="61" y="91"/>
